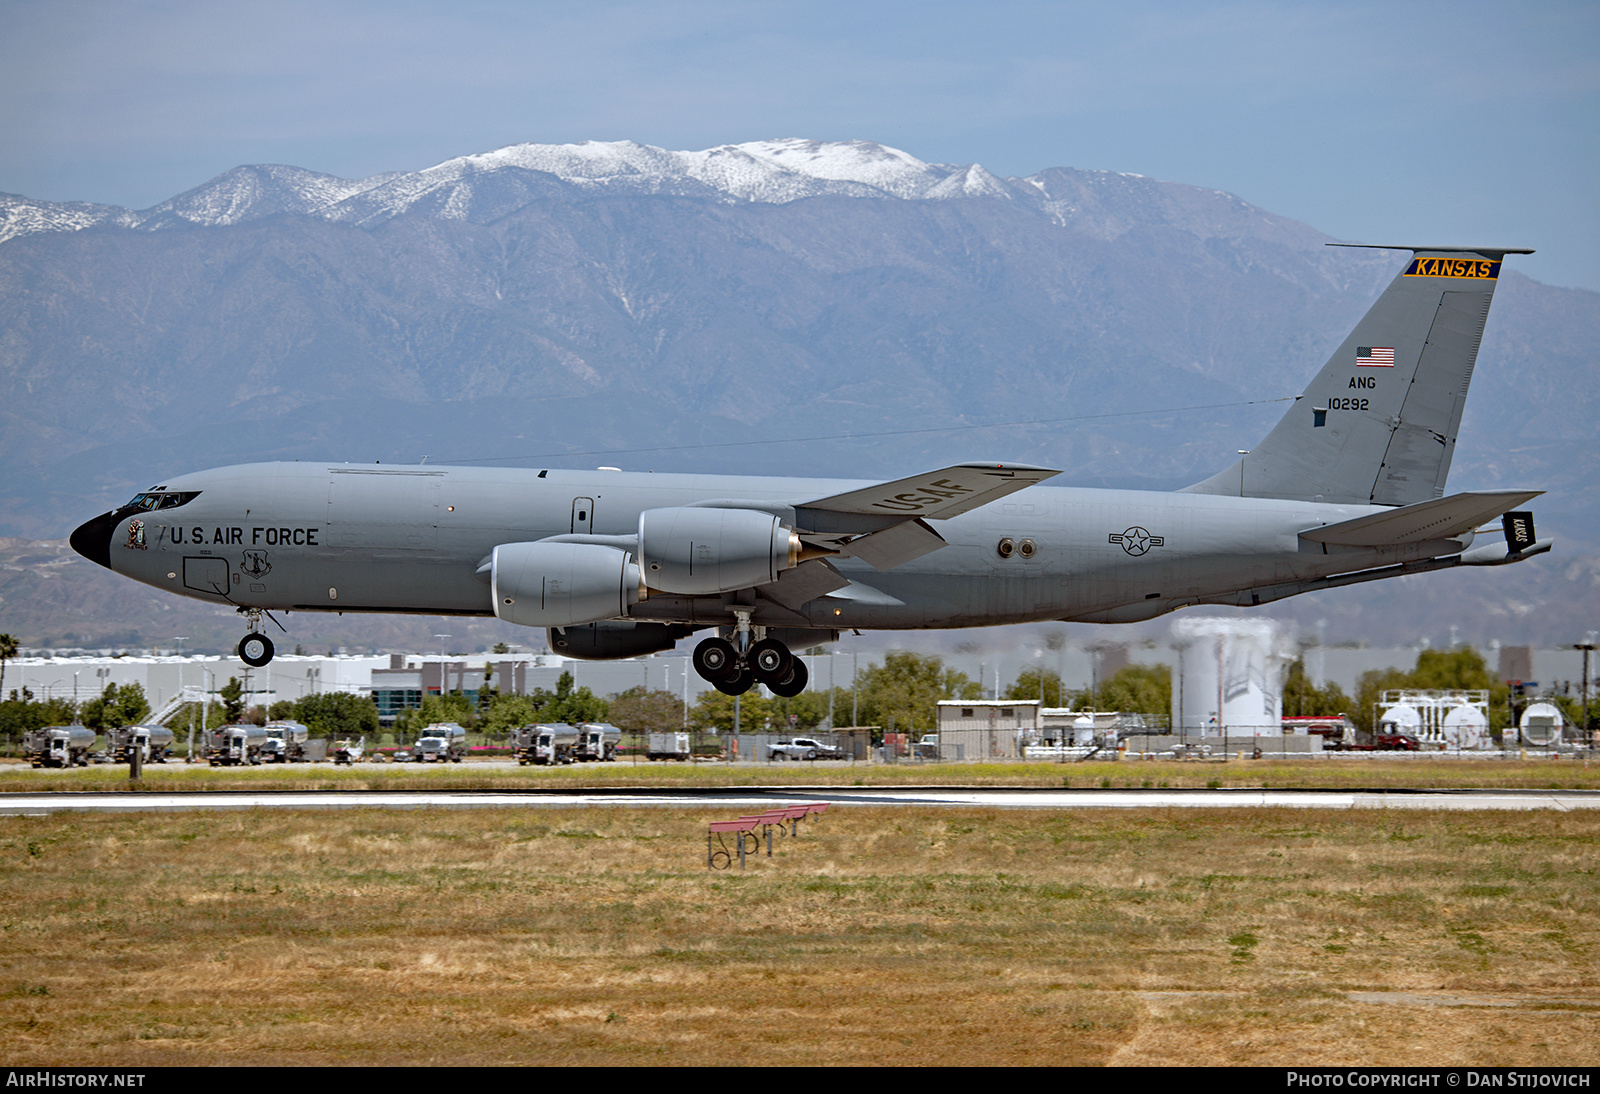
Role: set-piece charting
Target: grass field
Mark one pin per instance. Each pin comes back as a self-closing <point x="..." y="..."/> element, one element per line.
<point x="1321" y="772"/>
<point x="878" y="936"/>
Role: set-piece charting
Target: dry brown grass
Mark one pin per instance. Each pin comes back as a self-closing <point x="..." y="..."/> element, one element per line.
<point x="880" y="936"/>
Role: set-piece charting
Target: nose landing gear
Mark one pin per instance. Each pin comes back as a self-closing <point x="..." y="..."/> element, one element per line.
<point x="255" y="648"/>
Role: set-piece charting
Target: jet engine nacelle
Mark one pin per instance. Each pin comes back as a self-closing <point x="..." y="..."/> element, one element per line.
<point x="695" y="551"/>
<point x="562" y="584"/>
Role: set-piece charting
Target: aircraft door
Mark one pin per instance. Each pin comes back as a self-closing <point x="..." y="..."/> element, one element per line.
<point x="582" y="515"/>
<point x="206" y="575"/>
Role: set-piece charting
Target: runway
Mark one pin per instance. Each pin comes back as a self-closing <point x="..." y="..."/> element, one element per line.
<point x="37" y="804"/>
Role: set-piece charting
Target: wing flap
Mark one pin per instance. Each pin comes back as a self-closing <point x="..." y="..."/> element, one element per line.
<point x="889" y="548"/>
<point x="805" y="582"/>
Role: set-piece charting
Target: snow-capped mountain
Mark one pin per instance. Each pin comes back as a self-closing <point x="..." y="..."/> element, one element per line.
<point x="623" y="304"/>
<point x="486" y="185"/>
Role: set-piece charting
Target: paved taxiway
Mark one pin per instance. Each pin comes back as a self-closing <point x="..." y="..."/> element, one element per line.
<point x="16" y="804"/>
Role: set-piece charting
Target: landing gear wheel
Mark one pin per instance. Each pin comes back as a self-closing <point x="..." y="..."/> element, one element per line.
<point x="771" y="660"/>
<point x="735" y="683"/>
<point x="714" y="659"/>
<point x="795" y="684"/>
<point x="255" y="650"/>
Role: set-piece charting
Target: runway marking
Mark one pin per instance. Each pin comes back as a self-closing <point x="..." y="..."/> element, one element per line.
<point x="29" y="804"/>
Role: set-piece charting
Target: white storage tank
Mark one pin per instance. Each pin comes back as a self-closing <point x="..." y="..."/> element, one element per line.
<point x="1466" y="727"/>
<point x="1541" y="726"/>
<point x="1231" y="676"/>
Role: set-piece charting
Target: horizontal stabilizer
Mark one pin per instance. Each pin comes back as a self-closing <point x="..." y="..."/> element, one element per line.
<point x="934" y="495"/>
<point x="1500" y="554"/>
<point x="1441" y="518"/>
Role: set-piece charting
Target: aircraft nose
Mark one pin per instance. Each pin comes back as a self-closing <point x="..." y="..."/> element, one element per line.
<point x="92" y="539"/>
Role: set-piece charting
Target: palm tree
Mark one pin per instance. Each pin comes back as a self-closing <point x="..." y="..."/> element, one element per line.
<point x="8" y="650"/>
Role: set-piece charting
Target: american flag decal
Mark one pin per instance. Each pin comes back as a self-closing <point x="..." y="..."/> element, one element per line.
<point x="1374" y="357"/>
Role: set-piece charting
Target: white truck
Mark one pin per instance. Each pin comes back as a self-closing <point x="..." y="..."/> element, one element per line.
<point x="58" y="746"/>
<point x="233" y="746"/>
<point x="285" y="743"/>
<point x="668" y="746"/>
<point x="442" y="742"/>
<point x="153" y="743"/>
<point x="544" y="743"/>
<point x="597" y="741"/>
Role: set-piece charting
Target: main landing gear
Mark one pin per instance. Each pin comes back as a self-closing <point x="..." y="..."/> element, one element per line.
<point x="767" y="661"/>
<point x="255" y="648"/>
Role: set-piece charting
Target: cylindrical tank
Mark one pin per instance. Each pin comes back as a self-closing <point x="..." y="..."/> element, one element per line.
<point x="1231" y="676"/>
<point x="1466" y="727"/>
<point x="1542" y="724"/>
<point x="1401" y="719"/>
<point x="1083" y="732"/>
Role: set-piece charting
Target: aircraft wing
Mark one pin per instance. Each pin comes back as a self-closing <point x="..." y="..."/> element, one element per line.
<point x="1441" y="518"/>
<point x="935" y="495"/>
<point x="886" y="525"/>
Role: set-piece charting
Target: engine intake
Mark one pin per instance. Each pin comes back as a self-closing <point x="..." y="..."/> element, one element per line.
<point x="562" y="584"/>
<point x="695" y="551"/>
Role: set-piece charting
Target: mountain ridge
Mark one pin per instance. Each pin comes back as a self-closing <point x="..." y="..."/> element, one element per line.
<point x="1132" y="331"/>
<point x="756" y="172"/>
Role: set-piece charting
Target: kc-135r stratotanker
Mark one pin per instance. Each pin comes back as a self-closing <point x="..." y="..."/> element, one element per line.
<point x="1348" y="487"/>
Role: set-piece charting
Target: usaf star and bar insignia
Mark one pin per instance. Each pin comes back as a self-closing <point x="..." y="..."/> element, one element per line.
<point x="1136" y="540"/>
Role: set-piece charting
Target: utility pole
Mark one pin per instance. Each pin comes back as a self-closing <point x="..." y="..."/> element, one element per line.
<point x="1586" y="646"/>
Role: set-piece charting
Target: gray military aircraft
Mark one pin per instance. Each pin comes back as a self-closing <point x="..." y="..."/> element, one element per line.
<point x="1348" y="487"/>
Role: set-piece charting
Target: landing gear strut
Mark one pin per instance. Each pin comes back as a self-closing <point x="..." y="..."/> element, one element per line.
<point x="768" y="661"/>
<point x="255" y="648"/>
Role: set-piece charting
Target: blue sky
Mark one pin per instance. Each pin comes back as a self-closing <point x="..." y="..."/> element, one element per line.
<point x="1411" y="123"/>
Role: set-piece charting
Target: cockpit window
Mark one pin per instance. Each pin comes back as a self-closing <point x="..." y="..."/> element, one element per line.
<point x="160" y="499"/>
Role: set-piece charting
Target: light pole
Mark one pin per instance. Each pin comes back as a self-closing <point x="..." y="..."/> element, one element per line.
<point x="442" y="639"/>
<point x="180" y="640"/>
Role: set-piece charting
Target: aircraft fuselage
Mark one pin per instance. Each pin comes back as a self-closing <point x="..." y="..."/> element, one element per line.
<point x="373" y="538"/>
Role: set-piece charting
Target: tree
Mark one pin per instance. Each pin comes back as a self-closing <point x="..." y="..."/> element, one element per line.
<point x="337" y="714"/>
<point x="232" y="696"/>
<point x="810" y="708"/>
<point x="1302" y="698"/>
<point x="713" y="713"/>
<point x="123" y="705"/>
<point x="1143" y="689"/>
<point x="902" y="694"/>
<point x="8" y="650"/>
<point x="569" y="704"/>
<point x="505" y="713"/>
<point x="1027" y="686"/>
<point x="454" y="707"/>
<point x="20" y="714"/>
<point x="640" y="711"/>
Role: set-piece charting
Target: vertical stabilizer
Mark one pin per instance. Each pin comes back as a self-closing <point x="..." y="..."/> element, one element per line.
<point x="1378" y="424"/>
